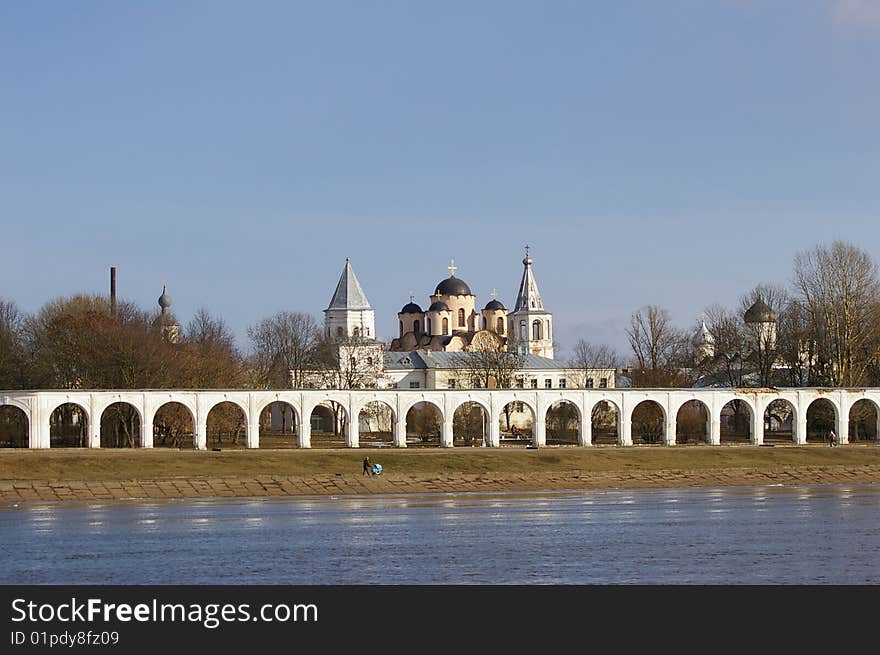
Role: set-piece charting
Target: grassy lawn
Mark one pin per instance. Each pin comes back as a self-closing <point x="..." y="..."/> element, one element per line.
<point x="119" y="464"/>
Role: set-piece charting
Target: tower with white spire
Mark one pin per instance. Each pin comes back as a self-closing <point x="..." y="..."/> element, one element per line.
<point x="349" y="313"/>
<point x="530" y="329"/>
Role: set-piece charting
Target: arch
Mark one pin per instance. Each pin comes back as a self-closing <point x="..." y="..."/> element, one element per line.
<point x="605" y="422"/>
<point x="499" y="325"/>
<point x="445" y="326"/>
<point x="120" y="426"/>
<point x="401" y="328"/>
<point x="424" y="421"/>
<point x="523" y="330"/>
<point x="226" y="420"/>
<point x="14" y="427"/>
<point x="69" y="426"/>
<point x="278" y="425"/>
<point x="328" y="421"/>
<point x="517" y="421"/>
<point x="174" y="426"/>
<point x="864" y="420"/>
<point x="461" y="322"/>
<point x="430" y="328"/>
<point x="376" y="423"/>
<point x="648" y="421"/>
<point x="537" y="328"/>
<point x="470" y="424"/>
<point x="416" y="327"/>
<point x="736" y="421"/>
<point x="692" y="422"/>
<point x="563" y="422"/>
<point x="822" y="418"/>
<point x="780" y="421"/>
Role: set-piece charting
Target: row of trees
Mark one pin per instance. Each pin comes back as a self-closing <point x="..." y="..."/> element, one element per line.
<point x="826" y="333"/>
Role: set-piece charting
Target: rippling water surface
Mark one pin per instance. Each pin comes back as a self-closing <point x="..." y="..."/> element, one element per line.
<point x="738" y="535"/>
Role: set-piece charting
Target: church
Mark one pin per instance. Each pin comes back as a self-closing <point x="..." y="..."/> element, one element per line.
<point x="430" y="349"/>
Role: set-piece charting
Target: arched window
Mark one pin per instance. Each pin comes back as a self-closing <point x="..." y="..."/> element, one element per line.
<point x="416" y="328"/>
<point x="536" y="330"/>
<point x="499" y="325"/>
<point x="401" y="328"/>
<point x="445" y="326"/>
<point x="430" y="331"/>
<point x="339" y="332"/>
<point x="461" y="318"/>
<point x="523" y="331"/>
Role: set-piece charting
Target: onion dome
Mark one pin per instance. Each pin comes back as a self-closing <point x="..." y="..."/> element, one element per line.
<point x="453" y="286"/>
<point x="760" y="312"/>
<point x="438" y="306"/>
<point x="411" y="308"/>
<point x="493" y="305"/>
<point x="164" y="299"/>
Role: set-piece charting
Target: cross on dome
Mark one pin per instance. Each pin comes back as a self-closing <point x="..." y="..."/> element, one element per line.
<point x="494" y="293"/>
<point x="452" y="267"/>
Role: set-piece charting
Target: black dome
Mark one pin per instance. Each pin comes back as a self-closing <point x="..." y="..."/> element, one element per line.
<point x="453" y="286"/>
<point x="438" y="306"/>
<point x="493" y="304"/>
<point x="411" y="308"/>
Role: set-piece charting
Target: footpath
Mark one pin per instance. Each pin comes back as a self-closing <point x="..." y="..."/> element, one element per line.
<point x="13" y="491"/>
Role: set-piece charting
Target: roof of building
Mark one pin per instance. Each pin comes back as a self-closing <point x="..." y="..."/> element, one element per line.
<point x="760" y="312"/>
<point x="411" y="308"/>
<point x="164" y="299"/>
<point x="453" y="286"/>
<point x="528" y="298"/>
<point x="438" y="306"/>
<point x="418" y="359"/>
<point x="494" y="304"/>
<point x="348" y="294"/>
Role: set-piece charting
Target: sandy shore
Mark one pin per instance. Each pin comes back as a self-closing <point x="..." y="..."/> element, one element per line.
<point x="271" y="485"/>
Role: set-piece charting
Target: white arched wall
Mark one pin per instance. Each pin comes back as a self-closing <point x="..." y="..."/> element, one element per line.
<point x="487" y="413"/>
<point x="38" y="406"/>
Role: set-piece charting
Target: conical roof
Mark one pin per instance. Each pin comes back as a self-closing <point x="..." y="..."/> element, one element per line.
<point x="759" y="312"/>
<point x="349" y="294"/>
<point x="528" y="298"/>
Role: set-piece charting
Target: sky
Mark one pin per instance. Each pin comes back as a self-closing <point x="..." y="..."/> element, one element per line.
<point x="676" y="153"/>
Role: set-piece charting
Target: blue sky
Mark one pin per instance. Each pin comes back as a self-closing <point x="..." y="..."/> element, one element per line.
<point x="675" y="153"/>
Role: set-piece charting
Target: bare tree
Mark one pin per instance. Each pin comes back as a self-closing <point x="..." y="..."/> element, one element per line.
<point x="588" y="358"/>
<point x="487" y="363"/>
<point x="658" y="348"/>
<point x="839" y="288"/>
<point x="12" y="357"/>
<point x="284" y="350"/>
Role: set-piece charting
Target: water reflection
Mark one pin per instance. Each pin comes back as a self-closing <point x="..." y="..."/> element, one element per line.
<point x="682" y="536"/>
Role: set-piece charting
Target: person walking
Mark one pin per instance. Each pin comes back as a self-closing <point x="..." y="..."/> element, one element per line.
<point x="367" y="470"/>
<point x="832" y="439"/>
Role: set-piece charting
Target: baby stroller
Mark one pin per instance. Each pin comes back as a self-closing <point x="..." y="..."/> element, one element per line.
<point x="376" y="470"/>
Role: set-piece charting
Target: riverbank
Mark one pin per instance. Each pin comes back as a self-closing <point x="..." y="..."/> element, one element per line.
<point x="53" y="475"/>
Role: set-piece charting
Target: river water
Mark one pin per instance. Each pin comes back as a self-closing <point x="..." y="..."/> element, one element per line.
<point x="824" y="534"/>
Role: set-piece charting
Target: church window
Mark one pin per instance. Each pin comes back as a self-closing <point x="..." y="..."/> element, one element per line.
<point x="430" y="331"/>
<point x="603" y="383"/>
<point x="413" y="385"/>
<point x="357" y="332"/>
<point x="450" y="383"/>
<point x="460" y="318"/>
<point x="401" y="328"/>
<point x="589" y="383"/>
<point x="485" y="325"/>
<point x="520" y="383"/>
<point x="406" y="361"/>
<point x="535" y="383"/>
<point x="536" y="330"/>
<point x="339" y="332"/>
<point x="523" y="333"/>
<point x="367" y="331"/>
<point x="562" y="383"/>
<point x="499" y="327"/>
<point x="445" y="326"/>
<point x="416" y="328"/>
<point x="548" y="383"/>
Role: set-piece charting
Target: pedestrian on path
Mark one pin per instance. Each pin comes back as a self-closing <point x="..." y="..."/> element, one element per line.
<point x="832" y="439"/>
<point x="367" y="470"/>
